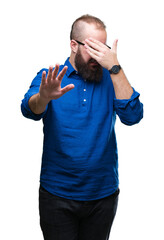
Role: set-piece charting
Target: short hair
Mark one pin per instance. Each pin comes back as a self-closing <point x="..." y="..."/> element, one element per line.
<point x="88" y="19"/>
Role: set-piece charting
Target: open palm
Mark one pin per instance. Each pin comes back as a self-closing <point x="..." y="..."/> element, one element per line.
<point x="50" y="87"/>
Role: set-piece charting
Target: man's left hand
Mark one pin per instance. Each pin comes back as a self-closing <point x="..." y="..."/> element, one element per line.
<point x="105" y="56"/>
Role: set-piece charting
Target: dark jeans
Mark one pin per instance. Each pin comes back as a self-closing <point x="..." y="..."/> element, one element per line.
<point x="63" y="219"/>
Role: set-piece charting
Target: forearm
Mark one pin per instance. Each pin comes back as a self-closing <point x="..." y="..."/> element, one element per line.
<point x="37" y="104"/>
<point x="108" y="58"/>
<point x="122" y="87"/>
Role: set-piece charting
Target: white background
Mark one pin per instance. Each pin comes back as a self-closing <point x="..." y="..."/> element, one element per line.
<point x="35" y="34"/>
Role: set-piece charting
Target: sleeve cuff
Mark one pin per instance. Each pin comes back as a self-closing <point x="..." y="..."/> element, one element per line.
<point x="122" y="103"/>
<point x="27" y="111"/>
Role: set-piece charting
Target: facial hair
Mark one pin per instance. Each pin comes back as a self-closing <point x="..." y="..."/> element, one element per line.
<point x="92" y="73"/>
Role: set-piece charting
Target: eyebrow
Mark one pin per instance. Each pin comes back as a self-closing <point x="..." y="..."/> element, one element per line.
<point x="84" y="44"/>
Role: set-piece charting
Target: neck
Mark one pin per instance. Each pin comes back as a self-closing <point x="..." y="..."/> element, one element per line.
<point x="72" y="61"/>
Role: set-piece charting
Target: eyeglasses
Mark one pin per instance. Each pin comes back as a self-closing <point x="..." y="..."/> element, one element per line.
<point x="84" y="43"/>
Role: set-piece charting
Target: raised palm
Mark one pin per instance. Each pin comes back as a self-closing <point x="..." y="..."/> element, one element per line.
<point x="50" y="87"/>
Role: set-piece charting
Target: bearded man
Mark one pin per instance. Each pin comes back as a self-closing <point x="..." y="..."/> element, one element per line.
<point x="78" y="102"/>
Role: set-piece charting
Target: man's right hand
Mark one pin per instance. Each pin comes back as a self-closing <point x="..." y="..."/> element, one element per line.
<point x="50" y="89"/>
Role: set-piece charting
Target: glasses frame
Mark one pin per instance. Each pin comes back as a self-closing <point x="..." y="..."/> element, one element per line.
<point x="84" y="44"/>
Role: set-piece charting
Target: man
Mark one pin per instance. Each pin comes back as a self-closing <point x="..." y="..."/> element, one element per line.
<point x="78" y="103"/>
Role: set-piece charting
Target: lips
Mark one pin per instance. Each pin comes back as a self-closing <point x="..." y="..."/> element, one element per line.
<point x="93" y="63"/>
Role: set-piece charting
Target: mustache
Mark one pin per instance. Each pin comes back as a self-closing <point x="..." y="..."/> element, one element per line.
<point x="93" y="61"/>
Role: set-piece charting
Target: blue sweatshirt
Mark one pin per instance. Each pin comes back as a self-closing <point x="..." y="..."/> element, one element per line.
<point x="80" y="159"/>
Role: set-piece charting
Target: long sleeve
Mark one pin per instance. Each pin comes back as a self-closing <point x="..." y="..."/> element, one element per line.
<point x="34" y="88"/>
<point x="130" y="111"/>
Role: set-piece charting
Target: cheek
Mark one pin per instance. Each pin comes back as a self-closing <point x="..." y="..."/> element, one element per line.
<point x="86" y="56"/>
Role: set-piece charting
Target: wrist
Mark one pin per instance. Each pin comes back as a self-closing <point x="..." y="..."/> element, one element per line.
<point x="115" y="69"/>
<point x="113" y="64"/>
<point x="42" y="100"/>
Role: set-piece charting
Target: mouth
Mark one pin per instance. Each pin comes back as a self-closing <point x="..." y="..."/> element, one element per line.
<point x="93" y="63"/>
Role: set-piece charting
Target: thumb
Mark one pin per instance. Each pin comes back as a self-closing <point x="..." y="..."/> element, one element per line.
<point x="67" y="88"/>
<point x="114" y="47"/>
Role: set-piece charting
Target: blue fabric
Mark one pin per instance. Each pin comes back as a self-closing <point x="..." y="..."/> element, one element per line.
<point x="80" y="159"/>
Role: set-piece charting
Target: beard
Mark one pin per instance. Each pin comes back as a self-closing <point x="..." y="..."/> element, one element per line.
<point x="91" y="71"/>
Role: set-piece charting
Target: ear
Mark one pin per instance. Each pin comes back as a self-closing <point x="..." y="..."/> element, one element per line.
<point x="74" y="46"/>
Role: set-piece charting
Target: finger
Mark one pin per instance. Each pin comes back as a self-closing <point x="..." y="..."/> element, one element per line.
<point x="94" y="44"/>
<point x="92" y="51"/>
<point x="67" y="88"/>
<point x="49" y="76"/>
<point x="55" y="72"/>
<point x="43" y="77"/>
<point x="62" y="73"/>
<point x="114" y="47"/>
